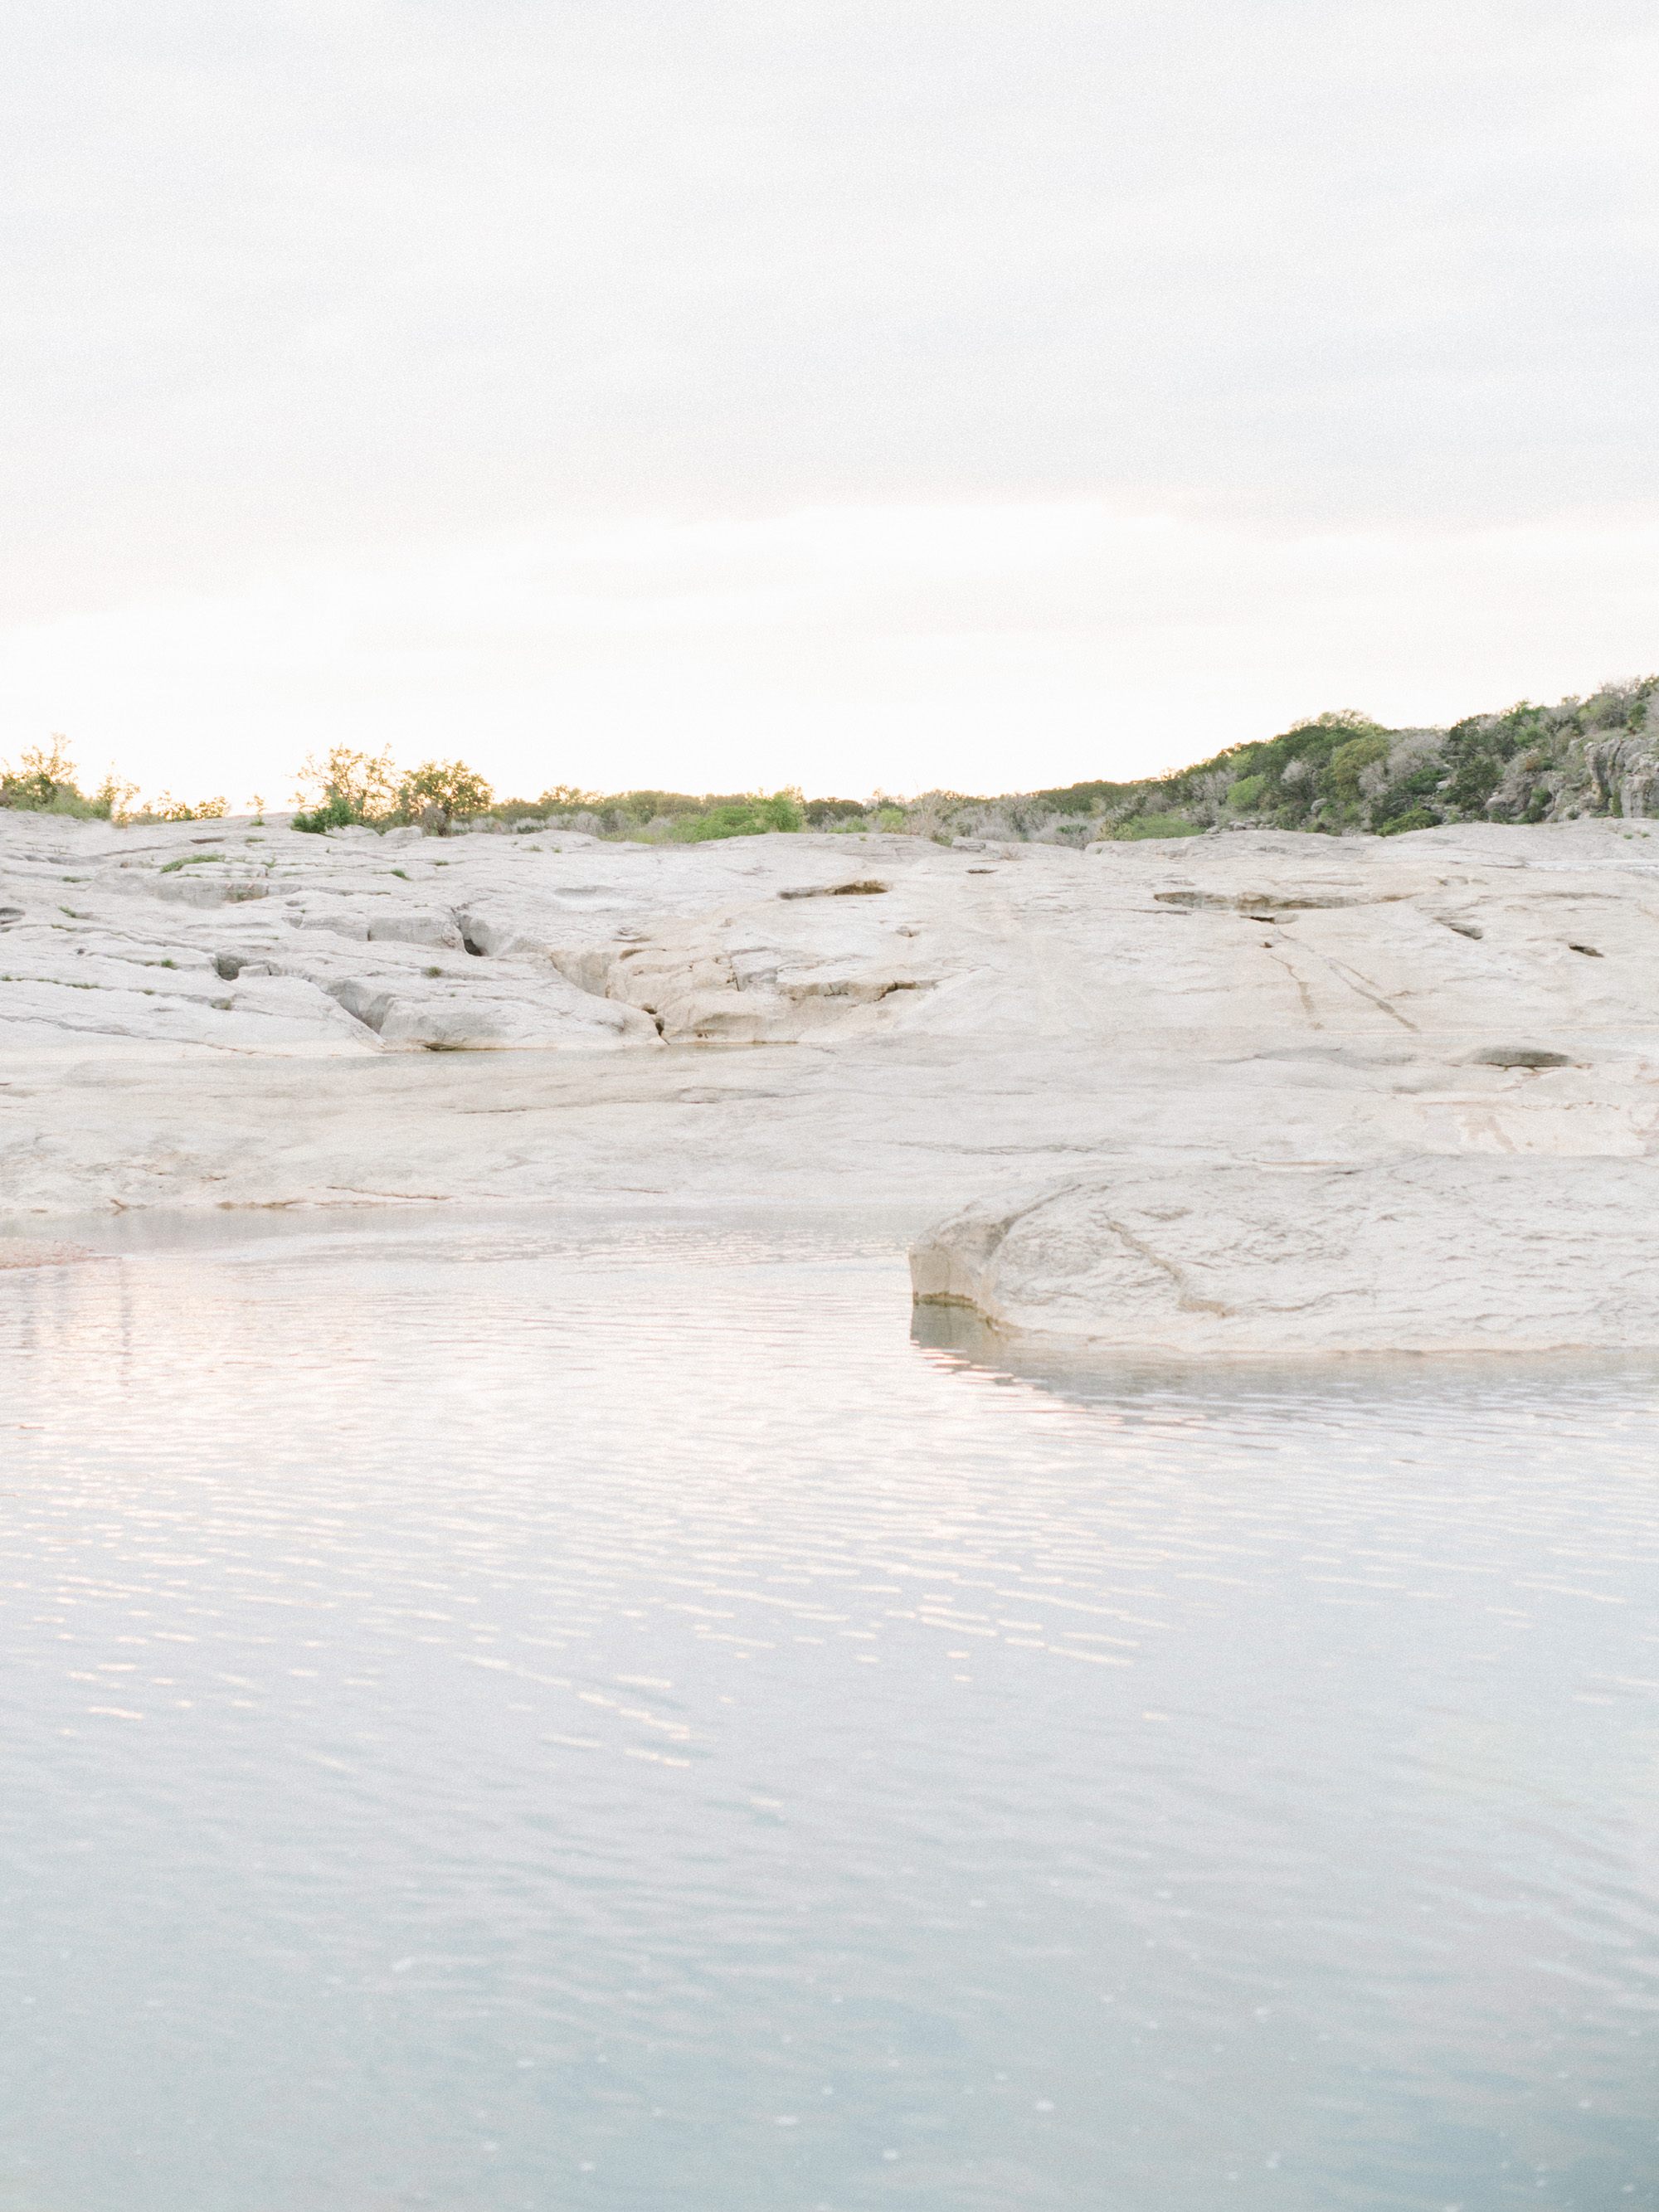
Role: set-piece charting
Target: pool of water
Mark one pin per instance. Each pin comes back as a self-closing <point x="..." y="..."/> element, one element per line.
<point x="594" y="1712"/>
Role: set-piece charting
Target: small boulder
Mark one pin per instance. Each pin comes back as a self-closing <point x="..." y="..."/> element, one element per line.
<point x="1435" y="1253"/>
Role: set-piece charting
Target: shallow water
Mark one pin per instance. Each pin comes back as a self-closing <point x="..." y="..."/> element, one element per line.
<point x="592" y="1714"/>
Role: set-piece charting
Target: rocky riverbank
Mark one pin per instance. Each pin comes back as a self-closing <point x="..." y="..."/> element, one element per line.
<point x="260" y="1019"/>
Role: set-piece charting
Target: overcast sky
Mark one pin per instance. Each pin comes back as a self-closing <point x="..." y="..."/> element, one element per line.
<point x="975" y="393"/>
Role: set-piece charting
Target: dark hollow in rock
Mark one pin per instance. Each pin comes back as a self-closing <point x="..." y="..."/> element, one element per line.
<point x="1589" y="950"/>
<point x="1517" y="1055"/>
<point x="1250" y="902"/>
<point x="229" y="967"/>
<point x="866" y="889"/>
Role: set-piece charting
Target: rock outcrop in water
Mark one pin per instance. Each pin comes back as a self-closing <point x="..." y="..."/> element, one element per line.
<point x="1443" y="1253"/>
<point x="1466" y="1019"/>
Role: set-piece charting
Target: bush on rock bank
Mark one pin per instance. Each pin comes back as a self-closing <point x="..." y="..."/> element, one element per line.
<point x="44" y="782"/>
<point x="365" y="787"/>
<point x="351" y="787"/>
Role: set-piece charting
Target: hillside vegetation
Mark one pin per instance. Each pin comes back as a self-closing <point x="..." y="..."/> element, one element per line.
<point x="1341" y="771"/>
<point x="43" y="781"/>
<point x="1333" y="774"/>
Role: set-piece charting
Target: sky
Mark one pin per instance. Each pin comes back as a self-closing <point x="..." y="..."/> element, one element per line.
<point x="942" y="393"/>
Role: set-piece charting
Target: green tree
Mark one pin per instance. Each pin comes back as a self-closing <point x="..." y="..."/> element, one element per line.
<point x="1349" y="760"/>
<point x="440" y="792"/>
<point x="44" y="782"/>
<point x="348" y="787"/>
<point x="40" y="774"/>
<point x="113" y="797"/>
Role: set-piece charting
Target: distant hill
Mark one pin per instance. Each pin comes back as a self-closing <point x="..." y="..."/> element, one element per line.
<point x="1334" y="772"/>
<point x="1342" y="771"/>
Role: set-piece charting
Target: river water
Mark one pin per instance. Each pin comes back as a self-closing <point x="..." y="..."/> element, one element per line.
<point x="579" y="1712"/>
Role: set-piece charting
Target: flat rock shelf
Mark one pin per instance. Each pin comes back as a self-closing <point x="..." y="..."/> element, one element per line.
<point x="1363" y="1090"/>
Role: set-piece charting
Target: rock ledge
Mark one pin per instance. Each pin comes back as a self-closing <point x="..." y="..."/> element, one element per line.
<point x="1438" y="1254"/>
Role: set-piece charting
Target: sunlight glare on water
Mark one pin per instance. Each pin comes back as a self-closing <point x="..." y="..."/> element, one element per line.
<point x="592" y="1712"/>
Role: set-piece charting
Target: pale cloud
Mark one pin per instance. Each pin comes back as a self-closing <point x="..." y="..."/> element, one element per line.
<point x="353" y="345"/>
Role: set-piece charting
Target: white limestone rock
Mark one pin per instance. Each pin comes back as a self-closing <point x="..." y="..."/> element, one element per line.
<point x="1423" y="1254"/>
<point x="551" y="1016"/>
<point x="423" y="926"/>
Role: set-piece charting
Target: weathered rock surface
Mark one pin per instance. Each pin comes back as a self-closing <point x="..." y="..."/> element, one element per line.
<point x="1426" y="1254"/>
<point x="250" y="1017"/>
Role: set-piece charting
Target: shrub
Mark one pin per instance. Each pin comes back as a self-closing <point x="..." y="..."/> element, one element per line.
<point x="1077" y="798"/>
<point x="41" y="775"/>
<point x="1348" y="760"/>
<point x="44" y="782"/>
<point x="366" y="788"/>
<point x="446" y="790"/>
<point x="334" y="813"/>
<point x="166" y="808"/>
<point x="1156" y="825"/>
<point x="1478" y="775"/>
<point x="351" y="787"/>
<point x="750" y="817"/>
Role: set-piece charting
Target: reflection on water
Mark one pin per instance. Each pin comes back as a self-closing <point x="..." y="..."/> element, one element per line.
<point x="594" y="1714"/>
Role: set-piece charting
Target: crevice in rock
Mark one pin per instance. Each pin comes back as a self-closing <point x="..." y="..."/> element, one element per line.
<point x="1361" y="987"/>
<point x="1254" y="902"/>
<point x="1186" y="1297"/>
<point x="868" y="889"/>
<point x="1302" y="990"/>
